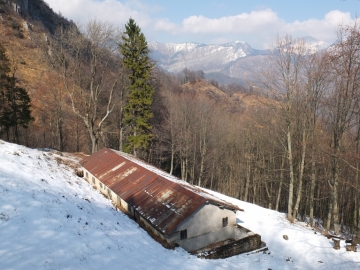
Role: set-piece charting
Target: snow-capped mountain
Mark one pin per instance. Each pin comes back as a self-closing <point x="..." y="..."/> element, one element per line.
<point x="313" y="44"/>
<point x="306" y="45"/>
<point x="226" y="61"/>
<point x="209" y="58"/>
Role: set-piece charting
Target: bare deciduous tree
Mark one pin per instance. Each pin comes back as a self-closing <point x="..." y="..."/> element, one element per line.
<point x="341" y="102"/>
<point x="90" y="66"/>
<point x="285" y="81"/>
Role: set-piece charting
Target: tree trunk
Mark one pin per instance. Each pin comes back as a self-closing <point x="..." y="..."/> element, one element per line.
<point x="356" y="212"/>
<point x="247" y="183"/>
<point x="203" y="146"/>
<point x="280" y="184"/>
<point x="121" y="139"/>
<point x="301" y="170"/>
<point x="172" y="157"/>
<point x="312" y="186"/>
<point x="77" y="134"/>
<point x="356" y="200"/>
<point x="334" y="206"/>
<point x="335" y="194"/>
<point x="212" y="173"/>
<point x="291" y="183"/>
<point x="329" y="215"/>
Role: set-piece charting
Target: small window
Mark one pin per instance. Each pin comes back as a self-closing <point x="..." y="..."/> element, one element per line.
<point x="131" y="210"/>
<point x="225" y="221"/>
<point x="87" y="175"/>
<point x="183" y="234"/>
<point x="136" y="216"/>
<point x="100" y="185"/>
<point x="93" y="180"/>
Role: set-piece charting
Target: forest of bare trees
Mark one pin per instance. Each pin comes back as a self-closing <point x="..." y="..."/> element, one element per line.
<point x="296" y="152"/>
<point x="294" y="149"/>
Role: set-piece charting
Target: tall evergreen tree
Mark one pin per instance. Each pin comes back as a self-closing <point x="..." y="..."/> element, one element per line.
<point x="4" y="70"/>
<point x="14" y="101"/>
<point x="4" y="83"/>
<point x="17" y="111"/>
<point x="138" y="109"/>
<point x="4" y="64"/>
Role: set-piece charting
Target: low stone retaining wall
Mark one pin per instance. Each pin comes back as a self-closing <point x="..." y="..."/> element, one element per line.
<point x="236" y="247"/>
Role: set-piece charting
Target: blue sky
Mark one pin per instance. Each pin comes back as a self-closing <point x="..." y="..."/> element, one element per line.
<point x="256" y="22"/>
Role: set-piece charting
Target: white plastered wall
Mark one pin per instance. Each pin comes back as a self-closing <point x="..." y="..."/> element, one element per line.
<point x="205" y="227"/>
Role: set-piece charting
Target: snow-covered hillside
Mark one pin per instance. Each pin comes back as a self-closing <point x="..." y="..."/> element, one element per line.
<point x="52" y="219"/>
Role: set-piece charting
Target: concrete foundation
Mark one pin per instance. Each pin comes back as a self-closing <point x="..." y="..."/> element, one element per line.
<point x="231" y="248"/>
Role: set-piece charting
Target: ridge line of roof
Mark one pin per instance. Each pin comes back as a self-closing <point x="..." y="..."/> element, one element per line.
<point x="182" y="183"/>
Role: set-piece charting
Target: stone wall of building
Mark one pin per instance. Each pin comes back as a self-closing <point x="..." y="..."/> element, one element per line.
<point x="246" y="244"/>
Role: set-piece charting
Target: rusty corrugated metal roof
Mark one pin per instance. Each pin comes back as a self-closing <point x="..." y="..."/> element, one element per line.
<point x="162" y="199"/>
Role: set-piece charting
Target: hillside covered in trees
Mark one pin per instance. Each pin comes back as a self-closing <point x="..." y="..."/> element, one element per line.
<point x="292" y="145"/>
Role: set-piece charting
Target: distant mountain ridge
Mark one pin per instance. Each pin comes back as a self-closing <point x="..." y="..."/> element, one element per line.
<point x="230" y="62"/>
<point x="209" y="58"/>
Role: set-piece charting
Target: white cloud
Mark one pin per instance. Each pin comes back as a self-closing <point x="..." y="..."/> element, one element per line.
<point x="336" y="17"/>
<point x="107" y="10"/>
<point x="166" y="26"/>
<point x="259" y="28"/>
<point x="262" y="26"/>
<point x="242" y="23"/>
<point x="324" y="29"/>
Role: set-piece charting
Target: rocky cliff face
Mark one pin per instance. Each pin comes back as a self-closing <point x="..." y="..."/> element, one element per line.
<point x="38" y="11"/>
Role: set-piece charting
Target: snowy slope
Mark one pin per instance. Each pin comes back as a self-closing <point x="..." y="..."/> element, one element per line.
<point x="51" y="219"/>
